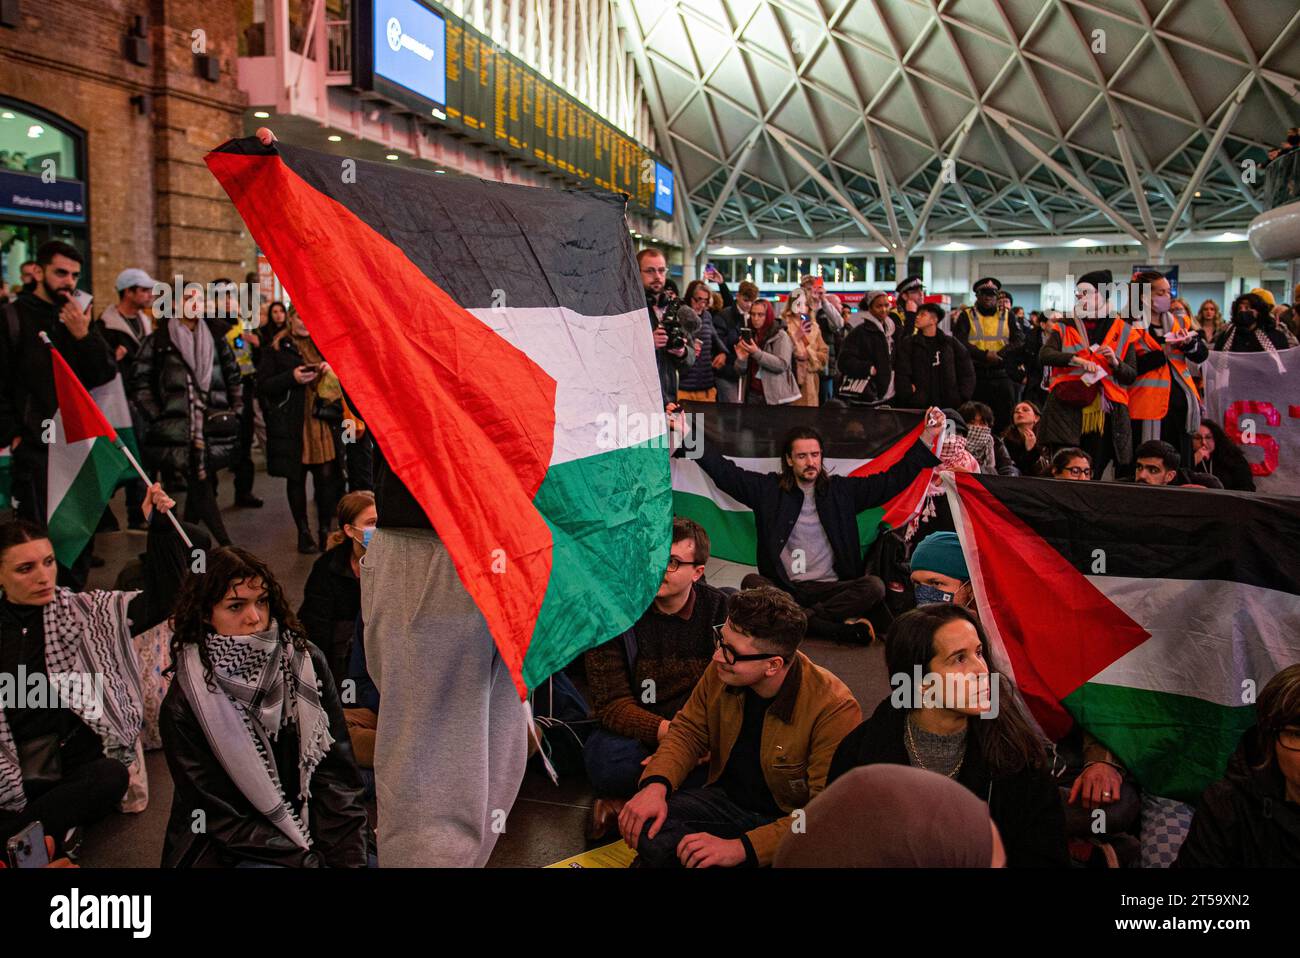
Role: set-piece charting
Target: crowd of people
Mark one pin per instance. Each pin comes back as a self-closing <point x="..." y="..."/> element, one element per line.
<point x="270" y="717"/>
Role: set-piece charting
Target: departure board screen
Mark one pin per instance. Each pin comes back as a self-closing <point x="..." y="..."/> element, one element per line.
<point x="492" y="97"/>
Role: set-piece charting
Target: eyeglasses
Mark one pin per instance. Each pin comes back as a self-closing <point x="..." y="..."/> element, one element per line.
<point x="1289" y="738"/>
<point x="654" y="269"/>
<point x="1078" y="471"/>
<point x="732" y="656"/>
<point x="675" y="563"/>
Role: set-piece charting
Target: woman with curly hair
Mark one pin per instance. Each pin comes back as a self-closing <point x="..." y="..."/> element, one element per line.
<point x="254" y="732"/>
<point x="1215" y="453"/>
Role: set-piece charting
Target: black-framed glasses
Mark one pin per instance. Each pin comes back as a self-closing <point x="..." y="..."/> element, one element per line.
<point x="1078" y="471"/>
<point x="675" y="563"/>
<point x="731" y="655"/>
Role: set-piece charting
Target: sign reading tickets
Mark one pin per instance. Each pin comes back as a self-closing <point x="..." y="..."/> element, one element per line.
<point x="1256" y="398"/>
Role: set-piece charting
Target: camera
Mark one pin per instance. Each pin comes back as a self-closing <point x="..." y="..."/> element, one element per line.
<point x="676" y="333"/>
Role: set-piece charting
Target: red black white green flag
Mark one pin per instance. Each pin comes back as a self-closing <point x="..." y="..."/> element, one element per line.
<point x="1151" y="616"/>
<point x="495" y="340"/>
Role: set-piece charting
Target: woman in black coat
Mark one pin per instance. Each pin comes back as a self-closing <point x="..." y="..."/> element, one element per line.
<point x="331" y="600"/>
<point x="1251" y="818"/>
<point x="1252" y="328"/>
<point x="866" y="351"/>
<point x="288" y="376"/>
<point x="261" y="757"/>
<point x="930" y="367"/>
<point x="938" y="724"/>
<point x="1213" y="452"/>
<point x="177" y="403"/>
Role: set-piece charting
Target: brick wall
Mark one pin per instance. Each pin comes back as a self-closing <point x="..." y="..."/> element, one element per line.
<point x="152" y="201"/>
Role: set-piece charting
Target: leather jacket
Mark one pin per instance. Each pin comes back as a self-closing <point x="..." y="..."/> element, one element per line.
<point x="231" y="830"/>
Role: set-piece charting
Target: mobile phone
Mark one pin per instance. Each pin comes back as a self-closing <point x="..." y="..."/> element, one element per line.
<point x="82" y="299"/>
<point x="747" y="334"/>
<point x="27" y="848"/>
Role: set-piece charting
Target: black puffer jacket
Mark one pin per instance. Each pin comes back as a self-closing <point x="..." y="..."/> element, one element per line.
<point x="233" y="830"/>
<point x="1244" y="820"/>
<point x="158" y="388"/>
<point x="920" y="382"/>
<point x="1025" y="805"/>
<point x="865" y="355"/>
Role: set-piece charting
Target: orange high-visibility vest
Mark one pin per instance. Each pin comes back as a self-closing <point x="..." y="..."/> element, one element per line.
<point x="1121" y="337"/>
<point x="1148" y="398"/>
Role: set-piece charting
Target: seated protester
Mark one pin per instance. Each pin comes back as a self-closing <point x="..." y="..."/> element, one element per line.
<point x="940" y="724"/>
<point x="1158" y="464"/>
<point x="1251" y="817"/>
<point x="1088" y="775"/>
<point x="1214" y="453"/>
<point x="332" y="597"/>
<point x="766" y="720"/>
<point x="254" y="732"/>
<point x="667" y="650"/>
<point x="866" y="358"/>
<point x="893" y="816"/>
<point x="1021" y="440"/>
<point x="807" y="524"/>
<point x="1252" y="328"/>
<point x="989" y="451"/>
<point x="1071" y="463"/>
<point x="930" y="367"/>
<point x="66" y="766"/>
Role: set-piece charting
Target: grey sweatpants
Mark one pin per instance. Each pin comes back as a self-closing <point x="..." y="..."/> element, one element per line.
<point x="451" y="743"/>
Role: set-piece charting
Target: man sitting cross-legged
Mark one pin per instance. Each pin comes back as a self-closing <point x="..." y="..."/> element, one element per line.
<point x="640" y="679"/>
<point x="768" y="722"/>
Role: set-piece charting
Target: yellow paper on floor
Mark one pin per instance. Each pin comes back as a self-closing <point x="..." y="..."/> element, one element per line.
<point x="613" y="855"/>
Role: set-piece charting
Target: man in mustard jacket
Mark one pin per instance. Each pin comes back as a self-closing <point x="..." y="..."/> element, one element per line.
<point x="766" y="720"/>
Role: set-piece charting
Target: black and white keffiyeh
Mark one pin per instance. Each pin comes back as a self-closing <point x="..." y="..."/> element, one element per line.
<point x="87" y="648"/>
<point x="263" y="683"/>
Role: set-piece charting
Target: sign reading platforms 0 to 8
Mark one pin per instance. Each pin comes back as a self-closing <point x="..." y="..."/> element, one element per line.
<point x="418" y="54"/>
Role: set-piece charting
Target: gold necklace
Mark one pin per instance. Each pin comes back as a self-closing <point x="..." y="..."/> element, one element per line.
<point x="915" y="755"/>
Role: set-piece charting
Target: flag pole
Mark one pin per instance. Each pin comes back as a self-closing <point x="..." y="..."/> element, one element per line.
<point x="168" y="513"/>
<point x="121" y="446"/>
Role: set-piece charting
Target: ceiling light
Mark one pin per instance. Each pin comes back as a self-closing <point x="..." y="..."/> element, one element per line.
<point x="1197" y="194"/>
<point x="1229" y="238"/>
<point x="261" y="114"/>
<point x="781" y="250"/>
<point x="726" y="250"/>
<point x="1082" y="242"/>
<point x="334" y="138"/>
<point x="35" y="130"/>
<point x="440" y="171"/>
<point x="391" y="156"/>
<point x="838" y="249"/>
<point x="1019" y="244"/>
<point x="438" y="114"/>
<point x="6" y="115"/>
<point x="955" y="247"/>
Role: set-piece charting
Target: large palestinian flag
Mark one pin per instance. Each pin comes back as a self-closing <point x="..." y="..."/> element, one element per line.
<point x="495" y="340"/>
<point x="1152" y="616"/>
<point x="856" y="442"/>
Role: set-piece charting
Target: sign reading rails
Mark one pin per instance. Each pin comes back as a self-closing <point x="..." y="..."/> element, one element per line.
<point x="1256" y="398"/>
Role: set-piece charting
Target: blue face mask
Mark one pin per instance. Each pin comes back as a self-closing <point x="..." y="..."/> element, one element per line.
<point x="928" y="593"/>
<point x="367" y="534"/>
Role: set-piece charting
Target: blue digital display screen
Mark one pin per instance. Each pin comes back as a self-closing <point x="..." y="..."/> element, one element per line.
<point x="410" y="44"/>
<point x="663" y="189"/>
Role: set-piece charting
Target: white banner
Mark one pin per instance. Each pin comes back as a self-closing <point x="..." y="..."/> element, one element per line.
<point x="1255" y="397"/>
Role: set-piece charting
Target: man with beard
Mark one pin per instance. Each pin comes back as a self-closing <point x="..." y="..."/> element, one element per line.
<point x="27" y="395"/>
<point x="661" y="303"/>
<point x="988" y="332"/>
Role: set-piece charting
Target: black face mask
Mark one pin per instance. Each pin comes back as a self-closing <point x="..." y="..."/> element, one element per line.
<point x="1245" y="317"/>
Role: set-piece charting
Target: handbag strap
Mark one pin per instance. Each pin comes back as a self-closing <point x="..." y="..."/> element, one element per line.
<point x="189" y="370"/>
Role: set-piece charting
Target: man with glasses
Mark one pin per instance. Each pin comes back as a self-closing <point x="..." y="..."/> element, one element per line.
<point x="766" y="720"/>
<point x="661" y="303"/>
<point x="27" y="395"/>
<point x="638" y="681"/>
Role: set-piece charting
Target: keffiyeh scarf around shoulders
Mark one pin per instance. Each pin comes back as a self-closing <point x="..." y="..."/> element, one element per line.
<point x="89" y="655"/>
<point x="262" y="683"/>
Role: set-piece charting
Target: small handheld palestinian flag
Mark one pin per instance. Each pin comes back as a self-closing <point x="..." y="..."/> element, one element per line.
<point x="1152" y="616"/>
<point x="86" y="458"/>
<point x="495" y="338"/>
<point x="856" y="442"/>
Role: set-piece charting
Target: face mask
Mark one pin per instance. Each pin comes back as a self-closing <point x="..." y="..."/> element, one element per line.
<point x="1245" y="317"/>
<point x="1161" y="303"/>
<point x="928" y="593"/>
<point x="367" y="534"/>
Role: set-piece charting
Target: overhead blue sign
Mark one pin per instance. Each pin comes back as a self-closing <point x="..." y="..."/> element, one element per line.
<point x="29" y="195"/>
<point x="410" y="44"/>
<point x="663" y="189"/>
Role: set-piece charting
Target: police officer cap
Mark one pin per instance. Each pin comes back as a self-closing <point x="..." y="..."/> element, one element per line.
<point x="987" y="281"/>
